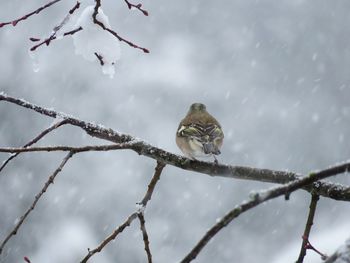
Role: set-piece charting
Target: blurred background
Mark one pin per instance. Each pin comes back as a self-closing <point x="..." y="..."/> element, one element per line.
<point x="274" y="73"/>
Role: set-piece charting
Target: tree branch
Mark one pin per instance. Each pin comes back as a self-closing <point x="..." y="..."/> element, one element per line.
<point x="111" y="237"/>
<point x="48" y="40"/>
<point x="309" y="223"/>
<point x="97" y="22"/>
<point x="158" y="171"/>
<point x="56" y="29"/>
<point x="138" y="6"/>
<point x="37" y="197"/>
<point x="145" y="236"/>
<point x="34" y="140"/>
<point x="258" y="198"/>
<point x="15" y="22"/>
<point x="326" y="189"/>
<point x="128" y="221"/>
<point x="97" y="148"/>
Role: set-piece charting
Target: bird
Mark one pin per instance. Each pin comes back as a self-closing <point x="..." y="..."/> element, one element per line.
<point x="199" y="134"/>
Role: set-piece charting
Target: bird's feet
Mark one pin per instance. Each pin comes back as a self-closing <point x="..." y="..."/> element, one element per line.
<point x="215" y="160"/>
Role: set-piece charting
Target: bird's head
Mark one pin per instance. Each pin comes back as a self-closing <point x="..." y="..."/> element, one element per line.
<point x="197" y="107"/>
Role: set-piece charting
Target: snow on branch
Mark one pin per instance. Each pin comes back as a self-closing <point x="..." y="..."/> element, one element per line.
<point x="259" y="198"/>
<point x="322" y="188"/>
<point x="104" y="27"/>
<point x="96" y="36"/>
<point x="291" y="181"/>
<point x="56" y="29"/>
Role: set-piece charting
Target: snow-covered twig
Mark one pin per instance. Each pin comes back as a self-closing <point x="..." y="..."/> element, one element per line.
<point x="56" y="29"/>
<point x="96" y="148"/>
<point x="37" y="11"/>
<point x="100" y="58"/>
<point x="52" y="127"/>
<point x="326" y="189"/>
<point x="259" y="198"/>
<point x="96" y="17"/>
<point x="309" y="223"/>
<point x="99" y="23"/>
<point x="48" y="40"/>
<point x="36" y="199"/>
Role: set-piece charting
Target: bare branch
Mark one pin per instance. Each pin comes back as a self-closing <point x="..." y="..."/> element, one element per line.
<point x="308" y="245"/>
<point x="15" y="22"/>
<point x="96" y="21"/>
<point x="138" y="6"/>
<point x="116" y="232"/>
<point x="309" y="223"/>
<point x="110" y="237"/>
<point x="145" y="236"/>
<point x="37" y="197"/>
<point x="148" y="195"/>
<point x="152" y="184"/>
<point x="97" y="148"/>
<point x="74" y="8"/>
<point x="100" y="58"/>
<point x="258" y="198"/>
<point x="34" y="140"/>
<point x="326" y="189"/>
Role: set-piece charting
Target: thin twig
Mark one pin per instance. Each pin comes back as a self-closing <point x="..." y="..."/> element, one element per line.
<point x="35" y="39"/>
<point x="74" y="8"/>
<point x="157" y="172"/>
<point x="36" y="199"/>
<point x="110" y="237"/>
<point x="100" y="58"/>
<point x="97" y="148"/>
<point x="48" y="40"/>
<point x="255" y="200"/>
<point x="326" y="189"/>
<point x="15" y="22"/>
<point x="147" y="197"/>
<point x="131" y="217"/>
<point x="309" y="223"/>
<point x="145" y="236"/>
<point x="34" y="140"/>
<point x="53" y="35"/>
<point x="96" y="21"/>
<point x="309" y="246"/>
<point x="137" y="6"/>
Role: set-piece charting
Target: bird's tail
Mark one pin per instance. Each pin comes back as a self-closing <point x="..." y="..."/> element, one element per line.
<point x="210" y="148"/>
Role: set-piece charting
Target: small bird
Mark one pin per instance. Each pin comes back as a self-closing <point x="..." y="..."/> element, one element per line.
<point x="199" y="134"/>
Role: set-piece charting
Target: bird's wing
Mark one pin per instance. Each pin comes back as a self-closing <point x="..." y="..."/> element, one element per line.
<point x="206" y="132"/>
